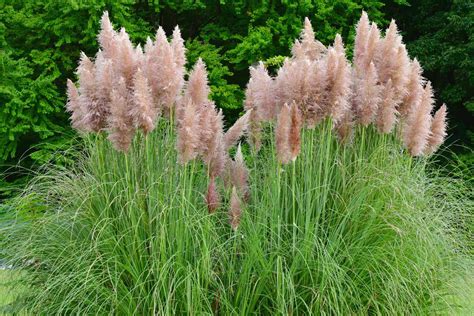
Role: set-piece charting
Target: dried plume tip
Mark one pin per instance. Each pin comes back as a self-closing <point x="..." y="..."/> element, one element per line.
<point x="281" y="135"/>
<point x="235" y="211"/>
<point x="212" y="197"/>
<point x="294" y="138"/>
<point x="240" y="174"/>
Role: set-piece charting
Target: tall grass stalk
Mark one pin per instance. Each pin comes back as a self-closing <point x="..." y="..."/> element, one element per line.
<point x="360" y="228"/>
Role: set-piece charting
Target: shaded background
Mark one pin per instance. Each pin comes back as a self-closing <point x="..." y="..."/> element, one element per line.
<point x="40" y="43"/>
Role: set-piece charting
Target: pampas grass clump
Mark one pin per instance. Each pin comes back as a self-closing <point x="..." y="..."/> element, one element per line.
<point x="326" y="212"/>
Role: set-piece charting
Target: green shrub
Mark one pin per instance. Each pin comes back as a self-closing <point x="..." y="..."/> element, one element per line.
<point x="345" y="229"/>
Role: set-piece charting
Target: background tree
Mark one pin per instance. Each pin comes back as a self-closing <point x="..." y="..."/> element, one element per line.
<point x="441" y="35"/>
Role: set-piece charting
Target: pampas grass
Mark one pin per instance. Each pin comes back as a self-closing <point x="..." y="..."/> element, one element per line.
<point x="354" y="225"/>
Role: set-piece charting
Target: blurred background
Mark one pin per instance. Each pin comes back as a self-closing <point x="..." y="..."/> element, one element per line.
<point x="40" y="43"/>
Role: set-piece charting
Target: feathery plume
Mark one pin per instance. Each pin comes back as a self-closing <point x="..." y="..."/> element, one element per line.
<point x="316" y="107"/>
<point x="259" y="94"/>
<point x="387" y="111"/>
<point x="125" y="59"/>
<point x="361" y="40"/>
<point x="104" y="77"/>
<point x="417" y="128"/>
<point x="240" y="174"/>
<point x="216" y="156"/>
<point x="143" y="112"/>
<point x="367" y="96"/>
<point x="400" y="73"/>
<point x="120" y="123"/>
<point x="339" y="45"/>
<point x="308" y="46"/>
<point x="177" y="45"/>
<point x="387" y="55"/>
<point x="438" y="130"/>
<point x="95" y="115"/>
<point x="237" y="130"/>
<point x="74" y="107"/>
<point x="188" y="133"/>
<point x="197" y="87"/>
<point x="107" y="36"/>
<point x="235" y="211"/>
<point x="373" y="44"/>
<point x="339" y="84"/>
<point x="414" y="89"/>
<point x="212" y="197"/>
<point x="281" y="134"/>
<point x="294" y="137"/>
<point x="164" y="80"/>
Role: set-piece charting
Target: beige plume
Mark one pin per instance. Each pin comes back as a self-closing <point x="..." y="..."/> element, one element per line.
<point x="438" y="130"/>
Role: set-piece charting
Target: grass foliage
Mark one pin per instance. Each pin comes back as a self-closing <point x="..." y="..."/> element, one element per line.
<point x="345" y="229"/>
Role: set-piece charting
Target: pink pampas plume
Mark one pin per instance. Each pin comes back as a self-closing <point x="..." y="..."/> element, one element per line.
<point x="317" y="99"/>
<point x="361" y="40"/>
<point x="308" y="47"/>
<point x="282" y="132"/>
<point x="372" y="49"/>
<point x="211" y="146"/>
<point x="416" y="130"/>
<point x="240" y="174"/>
<point x="107" y="37"/>
<point x="197" y="87"/>
<point x="215" y="154"/>
<point x="164" y="80"/>
<point x="393" y="62"/>
<point x="387" y="111"/>
<point x="104" y="77"/>
<point x="212" y="197"/>
<point x="255" y="125"/>
<point x="237" y="130"/>
<point x="259" y="94"/>
<point x="414" y="89"/>
<point x="94" y="116"/>
<point x="294" y="137"/>
<point x="292" y="84"/>
<point x="438" y="130"/>
<point x="218" y="158"/>
<point x="339" y="45"/>
<point x="400" y="73"/>
<point x="188" y="134"/>
<point x="143" y="112"/>
<point x="235" y="211"/>
<point x="179" y="51"/>
<point x="339" y="84"/>
<point x="367" y="96"/>
<point x="120" y="124"/>
<point x="125" y="61"/>
<point x="387" y="52"/>
<point x="74" y="107"/>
